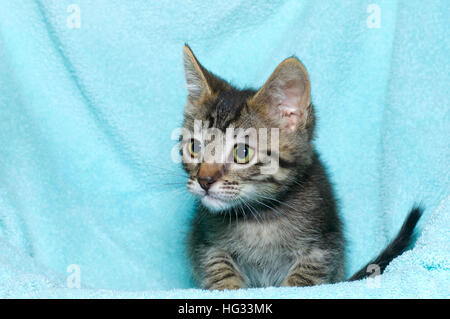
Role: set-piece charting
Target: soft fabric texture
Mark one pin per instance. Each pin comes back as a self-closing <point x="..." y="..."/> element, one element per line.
<point x="87" y="115"/>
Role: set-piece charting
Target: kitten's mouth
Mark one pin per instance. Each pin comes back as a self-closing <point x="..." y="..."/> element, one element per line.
<point x="213" y="202"/>
<point x="216" y="199"/>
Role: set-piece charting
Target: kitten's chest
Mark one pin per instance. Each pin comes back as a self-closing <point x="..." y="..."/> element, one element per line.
<point x="263" y="252"/>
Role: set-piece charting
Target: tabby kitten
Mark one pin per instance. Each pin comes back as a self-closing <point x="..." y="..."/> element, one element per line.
<point x="254" y="229"/>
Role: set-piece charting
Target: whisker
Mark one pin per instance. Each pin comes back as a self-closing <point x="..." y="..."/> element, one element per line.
<point x="276" y="200"/>
<point x="225" y="214"/>
<point x="168" y="173"/>
<point x="168" y="170"/>
<point x="243" y="212"/>
<point x="273" y="209"/>
<point x="251" y="210"/>
<point x="174" y="185"/>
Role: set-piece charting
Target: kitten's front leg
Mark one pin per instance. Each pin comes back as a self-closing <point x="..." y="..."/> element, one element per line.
<point x="221" y="272"/>
<point x="306" y="273"/>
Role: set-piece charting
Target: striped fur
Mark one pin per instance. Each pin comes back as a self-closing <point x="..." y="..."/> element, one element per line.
<point x="253" y="229"/>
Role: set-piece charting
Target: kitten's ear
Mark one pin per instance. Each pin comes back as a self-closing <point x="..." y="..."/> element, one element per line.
<point x="196" y="75"/>
<point x="286" y="96"/>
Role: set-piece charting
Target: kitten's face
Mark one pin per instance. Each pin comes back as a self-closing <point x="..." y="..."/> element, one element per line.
<point x="226" y="168"/>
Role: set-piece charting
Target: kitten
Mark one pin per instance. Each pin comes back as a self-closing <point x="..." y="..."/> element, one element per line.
<point x="254" y="229"/>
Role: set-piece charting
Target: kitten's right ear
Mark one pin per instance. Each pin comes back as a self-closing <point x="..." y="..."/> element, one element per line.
<point x="196" y="75"/>
<point x="285" y="98"/>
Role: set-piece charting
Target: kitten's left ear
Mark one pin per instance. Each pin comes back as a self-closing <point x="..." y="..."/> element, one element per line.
<point x="196" y="75"/>
<point x="286" y="96"/>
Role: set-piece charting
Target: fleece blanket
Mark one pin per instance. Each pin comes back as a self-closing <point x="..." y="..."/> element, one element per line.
<point x="91" y="204"/>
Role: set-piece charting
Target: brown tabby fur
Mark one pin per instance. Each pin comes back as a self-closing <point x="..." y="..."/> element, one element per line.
<point x="286" y="230"/>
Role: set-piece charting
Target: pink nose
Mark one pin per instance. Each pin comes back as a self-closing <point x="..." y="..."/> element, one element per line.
<point x="208" y="174"/>
<point x="205" y="183"/>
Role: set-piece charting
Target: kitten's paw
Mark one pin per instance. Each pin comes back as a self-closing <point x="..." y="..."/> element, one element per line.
<point x="297" y="280"/>
<point x="232" y="283"/>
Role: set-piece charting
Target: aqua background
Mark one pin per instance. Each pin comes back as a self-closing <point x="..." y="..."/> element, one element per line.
<point x="86" y="116"/>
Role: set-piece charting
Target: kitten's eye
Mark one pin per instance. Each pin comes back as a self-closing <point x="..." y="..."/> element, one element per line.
<point x="242" y="153"/>
<point x="194" y="147"/>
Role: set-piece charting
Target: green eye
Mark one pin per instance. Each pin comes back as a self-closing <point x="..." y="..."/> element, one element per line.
<point x="242" y="153"/>
<point x="194" y="147"/>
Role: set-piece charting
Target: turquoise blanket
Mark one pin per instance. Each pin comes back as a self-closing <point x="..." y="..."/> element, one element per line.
<point x="91" y="204"/>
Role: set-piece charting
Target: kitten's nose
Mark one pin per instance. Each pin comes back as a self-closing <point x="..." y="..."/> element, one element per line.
<point x="205" y="182"/>
<point x="208" y="174"/>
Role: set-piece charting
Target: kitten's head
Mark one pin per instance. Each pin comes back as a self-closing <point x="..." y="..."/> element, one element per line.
<point x="242" y="167"/>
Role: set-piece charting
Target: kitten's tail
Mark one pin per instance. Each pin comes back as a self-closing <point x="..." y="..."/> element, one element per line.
<point x="396" y="247"/>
